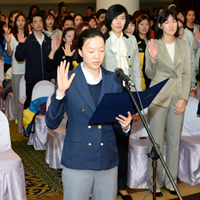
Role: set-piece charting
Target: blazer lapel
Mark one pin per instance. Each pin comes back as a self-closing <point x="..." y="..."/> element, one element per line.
<point x="82" y="87"/>
<point x="106" y="84"/>
<point x="177" y="50"/>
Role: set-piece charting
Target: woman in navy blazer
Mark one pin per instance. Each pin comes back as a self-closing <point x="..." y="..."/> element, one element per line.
<point x="90" y="155"/>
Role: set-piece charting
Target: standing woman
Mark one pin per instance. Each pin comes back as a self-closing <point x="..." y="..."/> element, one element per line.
<point x="131" y="26"/>
<point x="62" y="52"/>
<point x="121" y="52"/>
<point x="50" y="27"/>
<point x="143" y="34"/>
<point x="18" y="68"/>
<point x="89" y="155"/>
<point x="167" y="57"/>
<point x="78" y="19"/>
<point x="190" y="19"/>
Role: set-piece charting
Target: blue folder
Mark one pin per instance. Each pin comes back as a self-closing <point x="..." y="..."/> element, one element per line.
<point x="113" y="104"/>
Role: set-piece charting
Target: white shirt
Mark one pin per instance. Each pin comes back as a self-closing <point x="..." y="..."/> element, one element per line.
<point x="40" y="40"/>
<point x="170" y="49"/>
<point x="17" y="67"/>
<point x="89" y="78"/>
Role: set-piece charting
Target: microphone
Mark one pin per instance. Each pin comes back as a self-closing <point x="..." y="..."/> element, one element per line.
<point x="120" y="73"/>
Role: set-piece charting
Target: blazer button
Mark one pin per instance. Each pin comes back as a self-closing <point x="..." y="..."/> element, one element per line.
<point x="101" y="144"/>
<point x="89" y="144"/>
<point x="83" y="110"/>
<point x="89" y="127"/>
<point x="99" y="127"/>
<point x="129" y="56"/>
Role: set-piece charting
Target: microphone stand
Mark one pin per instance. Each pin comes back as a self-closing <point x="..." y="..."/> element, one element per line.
<point x="155" y="153"/>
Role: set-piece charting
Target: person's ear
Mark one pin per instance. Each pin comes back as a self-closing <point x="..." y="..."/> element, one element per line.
<point x="159" y="26"/>
<point x="80" y="52"/>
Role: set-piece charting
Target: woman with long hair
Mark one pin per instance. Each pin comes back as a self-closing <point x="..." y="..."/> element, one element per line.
<point x="190" y="19"/>
<point x="78" y="19"/>
<point x="18" y="68"/>
<point x="143" y="34"/>
<point x="121" y="52"/>
<point x="90" y="157"/>
<point x="60" y="51"/>
<point x="131" y="26"/>
<point x="50" y="27"/>
<point x="167" y="57"/>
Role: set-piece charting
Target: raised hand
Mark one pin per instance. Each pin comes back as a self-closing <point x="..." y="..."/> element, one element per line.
<point x="55" y="43"/>
<point x="7" y="33"/>
<point x="152" y="48"/>
<point x="62" y="78"/>
<point x="124" y="121"/>
<point x="67" y="49"/>
<point x="21" y="37"/>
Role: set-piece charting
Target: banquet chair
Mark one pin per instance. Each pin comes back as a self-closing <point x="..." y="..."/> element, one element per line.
<point x="12" y="181"/>
<point x="189" y="159"/>
<point x="55" y="141"/>
<point x="137" y="155"/>
<point x="22" y="98"/>
<point x="38" y="137"/>
<point x="9" y="106"/>
<point x="1" y="71"/>
<point x="2" y="102"/>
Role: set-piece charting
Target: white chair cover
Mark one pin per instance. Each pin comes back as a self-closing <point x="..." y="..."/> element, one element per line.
<point x="1" y="71"/>
<point x="2" y="102"/>
<point x="12" y="181"/>
<point x="9" y="106"/>
<point x="55" y="141"/>
<point x="38" y="138"/>
<point x="137" y="156"/>
<point x="189" y="159"/>
<point x="22" y="98"/>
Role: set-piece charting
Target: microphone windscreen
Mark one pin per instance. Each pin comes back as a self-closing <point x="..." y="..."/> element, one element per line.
<point x="118" y="71"/>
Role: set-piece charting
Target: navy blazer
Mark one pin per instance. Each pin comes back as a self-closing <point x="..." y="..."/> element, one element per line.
<point x="85" y="146"/>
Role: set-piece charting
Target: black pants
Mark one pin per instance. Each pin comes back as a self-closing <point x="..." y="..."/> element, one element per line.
<point x="6" y="67"/>
<point x="29" y="89"/>
<point x="122" y="144"/>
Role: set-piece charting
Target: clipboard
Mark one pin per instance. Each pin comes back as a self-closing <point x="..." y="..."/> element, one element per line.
<point x="113" y="104"/>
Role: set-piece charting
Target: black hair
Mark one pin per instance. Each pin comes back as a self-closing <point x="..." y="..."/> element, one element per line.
<point x="186" y="12"/>
<point x="64" y="32"/>
<point x="30" y="11"/>
<point x="131" y="19"/>
<point x="52" y="10"/>
<point x="112" y="12"/>
<point x="90" y="7"/>
<point x="36" y="15"/>
<point x="88" y="34"/>
<point x="139" y="20"/>
<point x="10" y="16"/>
<point x="99" y="12"/>
<point x="156" y="8"/>
<point x="163" y="17"/>
<point x="160" y="8"/>
<point x="69" y="17"/>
